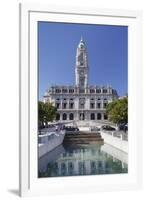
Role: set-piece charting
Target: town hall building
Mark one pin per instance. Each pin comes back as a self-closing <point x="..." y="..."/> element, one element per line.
<point x="81" y="101"/>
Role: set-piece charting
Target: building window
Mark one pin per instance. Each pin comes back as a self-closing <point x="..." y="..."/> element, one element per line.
<point x="98" y="105"/>
<point x="63" y="168"/>
<point x="81" y="166"/>
<point x="58" y="91"/>
<point x="99" y="164"/>
<point x="92" y="116"/>
<point x="70" y="168"/>
<point x="57" y="105"/>
<point x="71" y="105"/>
<point x="98" y="91"/>
<point x="99" y="116"/>
<point x="92" y="91"/>
<point x="64" y="90"/>
<point x="71" y="90"/>
<point x="64" y="105"/>
<point x="64" y="116"/>
<point x="71" y="116"/>
<point x="58" y="116"/>
<point x="104" y="90"/>
<point x="92" y="105"/>
<point x="93" y="167"/>
<point x="82" y="116"/>
<point x="104" y="105"/>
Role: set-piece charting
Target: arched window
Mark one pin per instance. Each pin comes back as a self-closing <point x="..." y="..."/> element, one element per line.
<point x="98" y="105"/>
<point x="71" y="116"/>
<point x="71" y="90"/>
<point x="104" y="90"/>
<point x="70" y="166"/>
<point x="63" y="166"/>
<point x="98" y="91"/>
<point x="93" y="167"/>
<point x="92" y="91"/>
<point x="82" y="116"/>
<point x="92" y="116"/>
<point x="63" y="169"/>
<point x="58" y="116"/>
<point x="58" y="91"/>
<point x="104" y="105"/>
<point x="64" y="116"/>
<point x="99" y="116"/>
<point x="64" y="91"/>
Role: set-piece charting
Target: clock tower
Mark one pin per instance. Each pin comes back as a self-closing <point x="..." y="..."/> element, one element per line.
<point x="81" y="68"/>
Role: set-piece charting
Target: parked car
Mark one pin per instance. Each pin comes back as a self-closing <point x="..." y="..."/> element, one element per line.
<point x="123" y="127"/>
<point x="108" y="128"/>
<point x="94" y="128"/>
<point x="72" y="129"/>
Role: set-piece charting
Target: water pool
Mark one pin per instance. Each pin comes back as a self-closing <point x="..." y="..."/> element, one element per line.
<point x="76" y="160"/>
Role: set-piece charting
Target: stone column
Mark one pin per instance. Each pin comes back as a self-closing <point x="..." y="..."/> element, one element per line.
<point x="102" y="103"/>
<point x="86" y="115"/>
<point x="78" y="116"/>
<point x="102" y="116"/>
<point x="68" y="101"/>
<point x="60" y="116"/>
<point x="76" y="104"/>
<point x="67" y="115"/>
<point x="61" y="103"/>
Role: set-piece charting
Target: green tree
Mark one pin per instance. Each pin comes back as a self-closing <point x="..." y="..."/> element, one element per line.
<point x="46" y="112"/>
<point x="41" y="113"/>
<point x="117" y="111"/>
<point x="50" y="111"/>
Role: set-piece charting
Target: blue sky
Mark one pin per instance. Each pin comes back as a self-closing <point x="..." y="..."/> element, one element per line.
<point x="107" y="54"/>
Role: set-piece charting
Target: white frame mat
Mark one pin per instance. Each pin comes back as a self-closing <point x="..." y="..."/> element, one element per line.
<point x="30" y="184"/>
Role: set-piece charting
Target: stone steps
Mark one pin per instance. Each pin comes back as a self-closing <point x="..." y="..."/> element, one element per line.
<point x="83" y="143"/>
<point x="82" y="134"/>
<point x="83" y="138"/>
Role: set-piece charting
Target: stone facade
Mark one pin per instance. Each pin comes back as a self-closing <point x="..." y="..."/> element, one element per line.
<point x="81" y="101"/>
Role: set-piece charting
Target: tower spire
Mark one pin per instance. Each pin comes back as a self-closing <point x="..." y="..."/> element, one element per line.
<point x="81" y="68"/>
<point x="81" y="43"/>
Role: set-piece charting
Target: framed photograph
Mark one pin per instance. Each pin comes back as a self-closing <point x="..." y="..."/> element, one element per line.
<point x="80" y="100"/>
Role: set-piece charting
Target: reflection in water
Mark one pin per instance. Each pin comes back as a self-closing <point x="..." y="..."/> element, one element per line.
<point x="82" y="160"/>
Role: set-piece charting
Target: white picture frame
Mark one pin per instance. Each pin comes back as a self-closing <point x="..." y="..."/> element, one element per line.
<point x="30" y="185"/>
